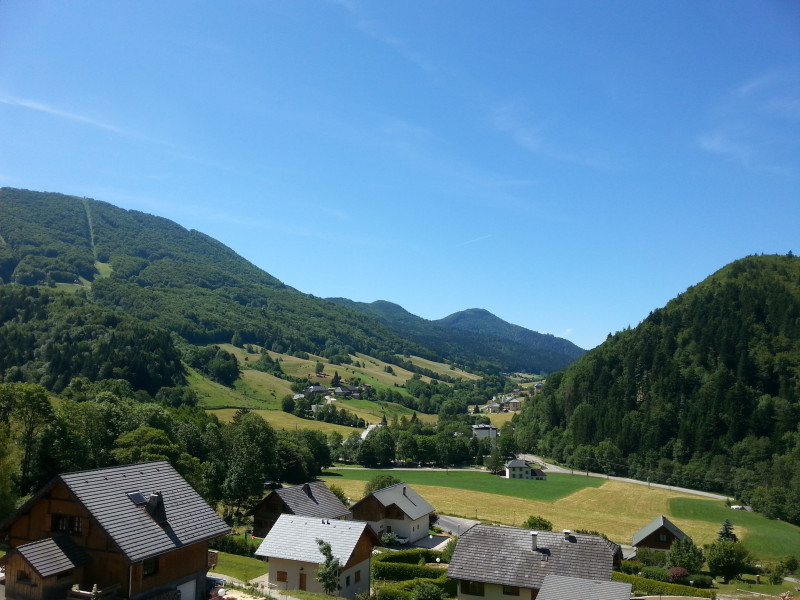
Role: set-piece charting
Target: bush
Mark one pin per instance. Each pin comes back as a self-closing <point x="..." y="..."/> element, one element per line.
<point x="700" y="581"/>
<point x="389" y="539"/>
<point x="231" y="544"/>
<point x="425" y="590"/>
<point x="538" y="523"/>
<point x="654" y="588"/>
<point x="677" y="575"/>
<point x="406" y="590"/>
<point x="404" y="565"/>
<point x="409" y="557"/>
<point x="631" y="567"/>
<point x="656" y="573"/>
<point x="450" y="547"/>
<point x="652" y="558"/>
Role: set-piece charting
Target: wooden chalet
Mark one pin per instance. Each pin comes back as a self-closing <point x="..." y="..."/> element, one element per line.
<point x="312" y="499"/>
<point x="658" y="534"/>
<point x="136" y="532"/>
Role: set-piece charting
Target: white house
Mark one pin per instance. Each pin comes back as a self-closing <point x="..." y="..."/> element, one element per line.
<point x="395" y="509"/>
<point x="294" y="556"/>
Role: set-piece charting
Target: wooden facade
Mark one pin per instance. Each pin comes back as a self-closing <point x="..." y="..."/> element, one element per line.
<point x="57" y="542"/>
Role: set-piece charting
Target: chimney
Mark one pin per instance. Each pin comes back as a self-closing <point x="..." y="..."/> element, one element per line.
<point x="155" y="508"/>
<point x="567" y="533"/>
<point x="307" y="489"/>
<point x="534" y="539"/>
<point x="404" y="490"/>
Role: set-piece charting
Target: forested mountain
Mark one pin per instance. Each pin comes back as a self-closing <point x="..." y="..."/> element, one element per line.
<point x="476" y="336"/>
<point x="704" y="393"/>
<point x="188" y="283"/>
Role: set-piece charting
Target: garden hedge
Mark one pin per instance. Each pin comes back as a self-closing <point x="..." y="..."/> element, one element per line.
<point x="652" y="588"/>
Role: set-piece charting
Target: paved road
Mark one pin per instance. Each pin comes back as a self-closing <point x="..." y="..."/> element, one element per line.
<point x="556" y="469"/>
<point x="455" y="525"/>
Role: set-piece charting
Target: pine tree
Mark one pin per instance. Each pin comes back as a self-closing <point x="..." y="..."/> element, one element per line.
<point x="726" y="533"/>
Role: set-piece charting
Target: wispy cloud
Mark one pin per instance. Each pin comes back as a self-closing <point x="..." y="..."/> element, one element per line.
<point x="529" y="134"/>
<point x="372" y="29"/>
<point x="476" y="240"/>
<point x="757" y="123"/>
<point x="61" y="114"/>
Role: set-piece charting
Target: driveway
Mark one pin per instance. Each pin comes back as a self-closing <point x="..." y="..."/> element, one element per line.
<point x="455" y="525"/>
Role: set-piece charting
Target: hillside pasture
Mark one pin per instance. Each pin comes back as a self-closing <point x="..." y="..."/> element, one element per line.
<point x="441" y="368"/>
<point x="761" y="535"/>
<point x="282" y="421"/>
<point x="372" y="412"/>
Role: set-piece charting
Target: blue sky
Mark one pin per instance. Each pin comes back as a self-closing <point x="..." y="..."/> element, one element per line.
<point x="568" y="166"/>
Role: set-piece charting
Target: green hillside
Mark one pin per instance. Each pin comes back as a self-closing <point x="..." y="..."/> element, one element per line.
<point x="704" y="393"/>
<point x="476" y="337"/>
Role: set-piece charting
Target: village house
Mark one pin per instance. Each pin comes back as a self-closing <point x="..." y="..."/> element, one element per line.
<point x="312" y="499"/>
<point x="521" y="469"/>
<point x="513" y="404"/>
<point x="556" y="587"/>
<point x="658" y="534"/>
<point x="396" y="509"/>
<point x="484" y="431"/>
<point x="493" y="563"/>
<point x="294" y="555"/>
<point x="139" y="531"/>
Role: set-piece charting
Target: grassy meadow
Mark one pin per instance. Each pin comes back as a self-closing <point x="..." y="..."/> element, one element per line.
<point x="614" y="508"/>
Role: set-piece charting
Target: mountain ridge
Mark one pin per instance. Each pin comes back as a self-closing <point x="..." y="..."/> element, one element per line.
<point x="189" y="283"/>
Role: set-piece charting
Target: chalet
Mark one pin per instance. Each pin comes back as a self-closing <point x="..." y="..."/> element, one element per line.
<point x="137" y="531"/>
<point x="658" y="534"/>
<point x="312" y="499"/>
<point x="347" y="390"/>
<point x="395" y="509"/>
<point x="493" y="407"/>
<point x="484" y="431"/>
<point x="317" y="389"/>
<point x="492" y="562"/>
<point x="294" y="555"/>
<point x="513" y="404"/>
<point x="557" y="587"/>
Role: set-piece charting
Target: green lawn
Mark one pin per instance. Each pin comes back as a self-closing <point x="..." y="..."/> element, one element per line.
<point x="240" y="567"/>
<point x="766" y="538"/>
<point x="556" y="487"/>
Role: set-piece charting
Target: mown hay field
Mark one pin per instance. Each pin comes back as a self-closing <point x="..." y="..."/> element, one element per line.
<point x="615" y="508"/>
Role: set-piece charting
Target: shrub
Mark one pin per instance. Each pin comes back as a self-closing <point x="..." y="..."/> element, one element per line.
<point x="653" y="588"/>
<point x="538" y="523"/>
<point x="450" y="547"/>
<point x="652" y="558"/>
<point x="389" y="539"/>
<point x="425" y="590"/>
<point x="631" y="567"/>
<point x="656" y="573"/>
<point x="406" y="590"/>
<point x="677" y="575"/>
<point x="700" y="581"/>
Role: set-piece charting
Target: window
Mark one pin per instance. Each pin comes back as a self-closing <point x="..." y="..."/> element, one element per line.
<point x="67" y="524"/>
<point x="510" y="590"/>
<point x="472" y="588"/>
<point x="282" y="576"/>
<point x="150" y="567"/>
<point x="347" y="581"/>
<point x="358" y="576"/>
<point x="662" y="537"/>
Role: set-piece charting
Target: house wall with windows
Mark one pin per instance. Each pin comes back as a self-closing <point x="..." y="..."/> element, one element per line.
<point x="476" y="590"/>
<point x="287" y="574"/>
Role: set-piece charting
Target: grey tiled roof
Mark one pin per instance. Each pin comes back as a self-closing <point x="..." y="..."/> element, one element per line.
<point x="517" y="463"/>
<point x="656" y="524"/>
<point x="556" y="587"/>
<point x="504" y="556"/>
<point x="295" y="538"/>
<point x="313" y="499"/>
<point x="104" y="493"/>
<point x="53" y="555"/>
<point x="406" y="499"/>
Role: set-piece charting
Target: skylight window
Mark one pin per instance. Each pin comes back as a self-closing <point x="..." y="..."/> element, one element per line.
<point x="138" y="498"/>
